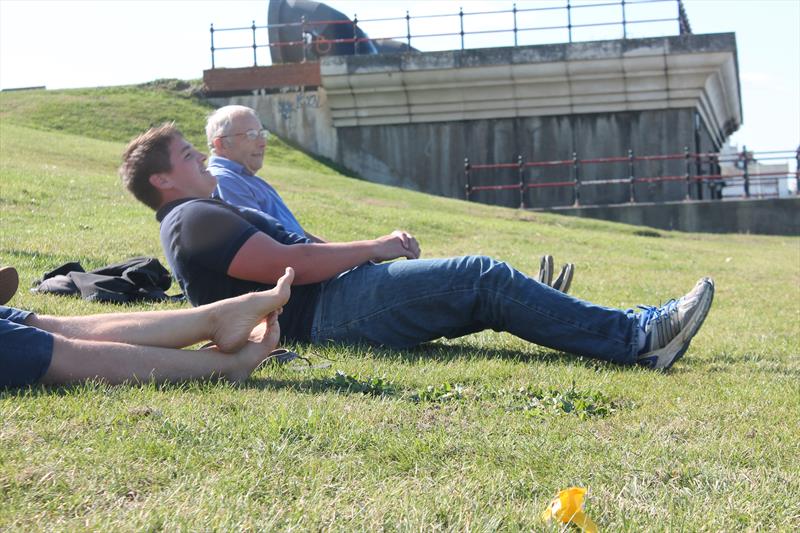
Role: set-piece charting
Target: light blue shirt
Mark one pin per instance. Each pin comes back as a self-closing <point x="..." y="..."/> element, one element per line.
<point x="237" y="186"/>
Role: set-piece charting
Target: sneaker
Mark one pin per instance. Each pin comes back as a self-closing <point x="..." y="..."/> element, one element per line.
<point x="9" y="282"/>
<point x="564" y="279"/>
<point x="546" y="270"/>
<point x="670" y="328"/>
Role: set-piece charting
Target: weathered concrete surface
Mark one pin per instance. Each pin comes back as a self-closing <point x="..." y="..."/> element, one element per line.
<point x="686" y="71"/>
<point x="430" y="157"/>
<point x="774" y="216"/>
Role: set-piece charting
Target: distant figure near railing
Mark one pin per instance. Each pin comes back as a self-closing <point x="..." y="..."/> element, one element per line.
<point x="722" y="173"/>
<point x="313" y="41"/>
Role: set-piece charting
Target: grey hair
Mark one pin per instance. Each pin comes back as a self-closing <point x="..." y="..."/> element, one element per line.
<point x="219" y="122"/>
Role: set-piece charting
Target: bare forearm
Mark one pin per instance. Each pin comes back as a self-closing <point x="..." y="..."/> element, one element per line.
<point x="321" y="261"/>
<point x="261" y="258"/>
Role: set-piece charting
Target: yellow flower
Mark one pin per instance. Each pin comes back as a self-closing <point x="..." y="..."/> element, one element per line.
<point x="568" y="507"/>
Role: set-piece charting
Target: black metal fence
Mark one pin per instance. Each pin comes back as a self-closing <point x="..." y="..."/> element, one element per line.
<point x="562" y="22"/>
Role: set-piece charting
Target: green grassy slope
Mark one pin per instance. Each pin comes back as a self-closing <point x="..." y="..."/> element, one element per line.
<point x="710" y="446"/>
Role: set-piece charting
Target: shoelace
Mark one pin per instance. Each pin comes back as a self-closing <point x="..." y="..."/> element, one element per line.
<point x="659" y="325"/>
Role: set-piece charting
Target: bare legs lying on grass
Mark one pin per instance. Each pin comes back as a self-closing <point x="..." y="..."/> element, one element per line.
<point x="144" y="346"/>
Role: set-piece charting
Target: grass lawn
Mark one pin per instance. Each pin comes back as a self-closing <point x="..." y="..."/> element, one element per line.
<point x="477" y="433"/>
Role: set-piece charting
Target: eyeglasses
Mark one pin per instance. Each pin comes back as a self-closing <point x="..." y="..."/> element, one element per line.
<point x="250" y="134"/>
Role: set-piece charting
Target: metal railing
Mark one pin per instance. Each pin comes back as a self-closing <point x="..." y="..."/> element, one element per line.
<point x="516" y="26"/>
<point x="698" y="168"/>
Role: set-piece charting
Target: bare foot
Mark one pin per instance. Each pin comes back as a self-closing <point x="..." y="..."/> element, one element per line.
<point x="234" y="319"/>
<point x="263" y="340"/>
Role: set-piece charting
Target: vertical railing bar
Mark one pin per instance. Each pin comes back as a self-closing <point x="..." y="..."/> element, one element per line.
<point x="212" y="47"/>
<point x="624" y="23"/>
<point x="408" y="29"/>
<point x="355" y="34"/>
<point x="688" y="159"/>
<point x="797" y="172"/>
<point x="514" y="11"/>
<point x="746" y="172"/>
<point x="631" y="178"/>
<point x="467" y="188"/>
<point x="461" y="21"/>
<point x="569" y="20"/>
<point x="576" y="177"/>
<point x="521" y="171"/>
<point x="255" y="60"/>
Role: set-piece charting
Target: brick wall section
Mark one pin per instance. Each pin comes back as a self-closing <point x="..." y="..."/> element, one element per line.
<point x="227" y="80"/>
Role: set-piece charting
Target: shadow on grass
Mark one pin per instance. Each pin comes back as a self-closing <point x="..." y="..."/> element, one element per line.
<point x="460" y="352"/>
<point x="294" y="379"/>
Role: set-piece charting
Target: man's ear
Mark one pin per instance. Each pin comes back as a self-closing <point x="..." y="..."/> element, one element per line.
<point x="219" y="144"/>
<point x="160" y="181"/>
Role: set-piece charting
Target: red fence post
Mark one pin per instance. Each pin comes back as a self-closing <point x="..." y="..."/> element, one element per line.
<point x="466" y="175"/>
<point x="688" y="171"/>
<point x="576" y="177"/>
<point x="631" y="179"/>
<point x="521" y="171"/>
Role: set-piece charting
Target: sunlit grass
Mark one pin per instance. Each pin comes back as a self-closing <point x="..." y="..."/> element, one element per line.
<point x="468" y="434"/>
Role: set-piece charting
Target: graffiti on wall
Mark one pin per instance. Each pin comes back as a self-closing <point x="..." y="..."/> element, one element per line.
<point x="288" y="107"/>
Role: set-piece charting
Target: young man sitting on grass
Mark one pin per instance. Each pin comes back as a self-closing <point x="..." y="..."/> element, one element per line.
<point x="346" y="292"/>
<point x="143" y="346"/>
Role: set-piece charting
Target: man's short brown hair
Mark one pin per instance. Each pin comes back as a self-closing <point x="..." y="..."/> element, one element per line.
<point x="144" y="156"/>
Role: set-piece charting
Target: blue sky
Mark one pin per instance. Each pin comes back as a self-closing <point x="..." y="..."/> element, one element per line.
<point x="63" y="43"/>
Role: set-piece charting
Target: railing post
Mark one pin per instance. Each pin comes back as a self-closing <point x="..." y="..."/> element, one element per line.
<point x="408" y="30"/>
<point x="631" y="179"/>
<point x="212" y="47"/>
<point x="514" y="10"/>
<point x="569" y="20"/>
<point x="576" y="178"/>
<point x="467" y="188"/>
<point x="521" y="171"/>
<point x="355" y="34"/>
<point x="303" y="34"/>
<point x="624" y="22"/>
<point x="797" y="172"/>
<point x="688" y="171"/>
<point x="746" y="173"/>
<point x="461" y="20"/>
<point x="255" y="60"/>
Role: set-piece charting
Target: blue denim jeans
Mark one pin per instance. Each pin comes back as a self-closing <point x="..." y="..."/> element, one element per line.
<point x="404" y="303"/>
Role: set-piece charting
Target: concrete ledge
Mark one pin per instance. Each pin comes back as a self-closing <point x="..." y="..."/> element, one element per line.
<point x="773" y="216"/>
<point x="686" y="71"/>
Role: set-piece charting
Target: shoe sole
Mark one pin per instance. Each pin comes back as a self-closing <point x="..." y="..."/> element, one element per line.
<point x="564" y="279"/>
<point x="546" y="270"/>
<point x="684" y="338"/>
<point x="9" y="283"/>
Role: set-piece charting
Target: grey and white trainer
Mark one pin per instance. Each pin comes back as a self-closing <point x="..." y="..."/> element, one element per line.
<point x="670" y="327"/>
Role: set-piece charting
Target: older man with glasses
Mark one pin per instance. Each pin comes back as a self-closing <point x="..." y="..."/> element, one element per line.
<point x="237" y="141"/>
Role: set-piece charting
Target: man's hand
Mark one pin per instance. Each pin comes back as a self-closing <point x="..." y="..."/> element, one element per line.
<point x="396" y="244"/>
